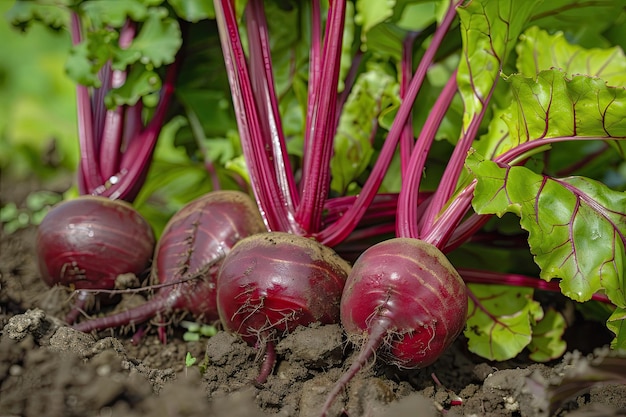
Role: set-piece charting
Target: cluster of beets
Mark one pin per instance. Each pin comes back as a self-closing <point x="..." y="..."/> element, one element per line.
<point x="216" y="261"/>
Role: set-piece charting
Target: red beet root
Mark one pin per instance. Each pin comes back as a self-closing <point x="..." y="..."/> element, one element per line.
<point x="188" y="255"/>
<point x="272" y="282"/>
<point x="404" y="300"/>
<point x="87" y="242"/>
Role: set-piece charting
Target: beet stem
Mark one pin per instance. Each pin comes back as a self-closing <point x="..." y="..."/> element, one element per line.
<point x="376" y="335"/>
<point x="268" y="364"/>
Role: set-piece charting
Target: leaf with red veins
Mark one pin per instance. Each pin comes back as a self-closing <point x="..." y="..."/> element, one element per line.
<point x="489" y="29"/>
<point x="576" y="226"/>
<point x="554" y="107"/>
<point x="500" y="320"/>
<point x="539" y="50"/>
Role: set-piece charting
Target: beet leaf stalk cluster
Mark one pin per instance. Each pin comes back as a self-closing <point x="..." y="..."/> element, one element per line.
<point x="117" y="131"/>
<point x="520" y="108"/>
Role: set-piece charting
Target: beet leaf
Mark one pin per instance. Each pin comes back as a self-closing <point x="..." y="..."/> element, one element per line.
<point x="500" y="320"/>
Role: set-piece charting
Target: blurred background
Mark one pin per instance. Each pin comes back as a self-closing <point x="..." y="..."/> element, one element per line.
<point x="38" y="134"/>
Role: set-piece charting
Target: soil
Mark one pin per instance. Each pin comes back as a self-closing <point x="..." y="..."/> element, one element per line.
<point x="47" y="368"/>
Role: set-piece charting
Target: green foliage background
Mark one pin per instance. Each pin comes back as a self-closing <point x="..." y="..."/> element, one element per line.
<point x="37" y="102"/>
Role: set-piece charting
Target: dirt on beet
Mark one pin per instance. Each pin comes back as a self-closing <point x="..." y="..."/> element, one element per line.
<point x="47" y="368"/>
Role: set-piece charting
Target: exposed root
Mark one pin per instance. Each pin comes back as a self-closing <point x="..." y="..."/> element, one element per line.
<point x="268" y="364"/>
<point x="378" y="330"/>
<point x="77" y="308"/>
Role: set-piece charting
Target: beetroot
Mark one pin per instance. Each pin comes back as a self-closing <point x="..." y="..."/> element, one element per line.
<point x="272" y="282"/>
<point x="405" y="300"/>
<point x="194" y="242"/>
<point x="85" y="243"/>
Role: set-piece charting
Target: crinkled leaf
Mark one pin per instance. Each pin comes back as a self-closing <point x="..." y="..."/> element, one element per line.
<point x="81" y="68"/>
<point x="193" y="10"/>
<point x="577" y="226"/>
<point x="139" y="83"/>
<point x="547" y="343"/>
<point x="114" y="13"/>
<point x="538" y="51"/>
<point x="98" y="46"/>
<point x="500" y="320"/>
<point x="552" y="105"/>
<point x="52" y="13"/>
<point x="489" y="29"/>
<point x="373" y="92"/>
<point x="156" y="43"/>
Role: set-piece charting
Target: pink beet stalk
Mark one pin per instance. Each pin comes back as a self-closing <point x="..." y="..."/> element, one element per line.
<point x="316" y="174"/>
<point x="115" y="147"/>
<point x="335" y="233"/>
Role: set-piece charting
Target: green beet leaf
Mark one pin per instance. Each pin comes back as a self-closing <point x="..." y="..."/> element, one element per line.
<point x="52" y="13"/>
<point x="576" y="226"/>
<point x="82" y="67"/>
<point x="156" y="43"/>
<point x="547" y="343"/>
<point x="489" y="29"/>
<point x="369" y="13"/>
<point x="539" y="51"/>
<point x="500" y="320"/>
<point x="384" y="25"/>
<point x="114" y="13"/>
<point x="139" y="83"/>
<point x="583" y="21"/>
<point x="193" y="10"/>
<point x="553" y="106"/>
<point x="617" y="324"/>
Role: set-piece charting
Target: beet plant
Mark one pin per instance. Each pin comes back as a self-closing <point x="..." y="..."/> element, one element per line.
<point x="122" y="105"/>
<point x="480" y="141"/>
<point x="509" y="111"/>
